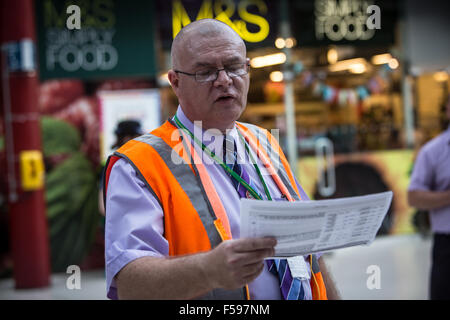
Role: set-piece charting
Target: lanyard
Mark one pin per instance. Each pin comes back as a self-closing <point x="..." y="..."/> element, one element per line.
<point x="224" y="166"/>
<point x="266" y="190"/>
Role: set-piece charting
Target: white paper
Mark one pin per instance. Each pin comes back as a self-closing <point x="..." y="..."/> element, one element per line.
<point x="305" y="227"/>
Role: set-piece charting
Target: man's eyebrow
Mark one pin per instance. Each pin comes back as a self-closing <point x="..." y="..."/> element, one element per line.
<point x="226" y="62"/>
<point x="203" y="64"/>
<point x="234" y="60"/>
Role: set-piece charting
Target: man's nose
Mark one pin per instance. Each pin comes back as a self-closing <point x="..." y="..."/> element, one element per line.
<point x="223" y="79"/>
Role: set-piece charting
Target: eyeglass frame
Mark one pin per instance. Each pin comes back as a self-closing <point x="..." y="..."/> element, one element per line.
<point x="247" y="63"/>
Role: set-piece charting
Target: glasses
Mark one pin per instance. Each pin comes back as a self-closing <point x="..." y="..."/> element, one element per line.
<point x="211" y="74"/>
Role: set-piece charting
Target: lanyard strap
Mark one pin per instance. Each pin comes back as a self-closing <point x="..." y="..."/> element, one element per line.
<point x="247" y="148"/>
<point x="266" y="161"/>
<point x="224" y="166"/>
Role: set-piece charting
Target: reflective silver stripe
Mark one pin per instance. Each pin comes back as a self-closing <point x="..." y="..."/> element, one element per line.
<point x="287" y="183"/>
<point x="315" y="264"/>
<point x="197" y="174"/>
<point x="273" y="156"/>
<point x="264" y="141"/>
<point x="188" y="182"/>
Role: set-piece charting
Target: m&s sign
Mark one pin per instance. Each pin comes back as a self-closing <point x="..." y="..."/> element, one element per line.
<point x="246" y="17"/>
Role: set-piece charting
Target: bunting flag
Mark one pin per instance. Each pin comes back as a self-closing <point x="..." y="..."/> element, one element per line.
<point x="347" y="96"/>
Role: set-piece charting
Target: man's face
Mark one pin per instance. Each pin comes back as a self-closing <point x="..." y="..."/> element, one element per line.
<point x="216" y="103"/>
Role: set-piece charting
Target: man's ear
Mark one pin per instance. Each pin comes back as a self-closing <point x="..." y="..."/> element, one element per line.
<point x="173" y="79"/>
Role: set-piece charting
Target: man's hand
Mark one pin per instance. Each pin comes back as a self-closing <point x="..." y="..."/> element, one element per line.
<point x="234" y="263"/>
<point x="429" y="200"/>
<point x="230" y="265"/>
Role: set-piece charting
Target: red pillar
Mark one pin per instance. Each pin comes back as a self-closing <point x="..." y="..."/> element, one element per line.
<point x="26" y="205"/>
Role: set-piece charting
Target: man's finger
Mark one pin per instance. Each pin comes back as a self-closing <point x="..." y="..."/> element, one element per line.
<point x="258" y="256"/>
<point x="252" y="272"/>
<point x="250" y="269"/>
<point x="252" y="244"/>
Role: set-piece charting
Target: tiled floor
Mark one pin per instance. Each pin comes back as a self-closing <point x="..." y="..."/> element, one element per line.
<point x="92" y="288"/>
<point x="403" y="263"/>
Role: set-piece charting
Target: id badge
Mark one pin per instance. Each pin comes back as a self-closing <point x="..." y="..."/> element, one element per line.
<point x="299" y="268"/>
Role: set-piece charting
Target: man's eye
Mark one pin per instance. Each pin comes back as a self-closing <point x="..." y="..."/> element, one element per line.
<point x="234" y="67"/>
<point x="206" y="72"/>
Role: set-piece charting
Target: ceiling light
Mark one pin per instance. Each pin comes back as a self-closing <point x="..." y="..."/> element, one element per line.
<point x="276" y="76"/>
<point x="441" y="76"/>
<point x="393" y="63"/>
<point x="357" y="68"/>
<point x="290" y="42"/>
<point x="381" y="58"/>
<point x="269" y="60"/>
<point x="332" y="56"/>
<point x="280" y="43"/>
<point x="350" y="64"/>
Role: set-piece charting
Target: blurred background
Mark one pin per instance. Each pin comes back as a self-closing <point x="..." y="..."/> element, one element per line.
<point x="353" y="90"/>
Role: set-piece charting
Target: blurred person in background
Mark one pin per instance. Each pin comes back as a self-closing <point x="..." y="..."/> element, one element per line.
<point x="166" y="223"/>
<point x="125" y="131"/>
<point x="429" y="189"/>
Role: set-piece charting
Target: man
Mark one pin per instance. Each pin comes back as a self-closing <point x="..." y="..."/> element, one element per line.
<point x="168" y="233"/>
<point x="429" y="189"/>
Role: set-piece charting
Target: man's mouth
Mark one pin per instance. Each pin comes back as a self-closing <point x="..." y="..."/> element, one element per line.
<point x="224" y="98"/>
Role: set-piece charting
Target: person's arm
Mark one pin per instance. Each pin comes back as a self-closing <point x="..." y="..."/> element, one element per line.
<point x="427" y="200"/>
<point x="137" y="262"/>
<point x="332" y="292"/>
<point x="231" y="265"/>
<point x="101" y="205"/>
<point x="421" y="193"/>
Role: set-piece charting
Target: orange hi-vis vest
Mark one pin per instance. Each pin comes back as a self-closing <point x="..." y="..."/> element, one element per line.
<point x="194" y="217"/>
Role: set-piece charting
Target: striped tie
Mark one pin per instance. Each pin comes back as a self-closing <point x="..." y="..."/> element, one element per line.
<point x="230" y="159"/>
<point x="291" y="289"/>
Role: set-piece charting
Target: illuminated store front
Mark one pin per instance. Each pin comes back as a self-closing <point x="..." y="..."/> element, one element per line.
<point x="355" y="132"/>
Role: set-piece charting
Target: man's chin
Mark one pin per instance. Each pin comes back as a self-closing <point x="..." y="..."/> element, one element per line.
<point x="228" y="104"/>
<point x="226" y="115"/>
<point x="230" y="111"/>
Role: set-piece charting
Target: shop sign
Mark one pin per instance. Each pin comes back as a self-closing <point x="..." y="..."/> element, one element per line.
<point x="324" y="22"/>
<point x="253" y="20"/>
<point x="112" y="38"/>
<point x="337" y="20"/>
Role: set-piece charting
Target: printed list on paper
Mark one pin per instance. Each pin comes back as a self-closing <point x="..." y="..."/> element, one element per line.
<point x="305" y="227"/>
